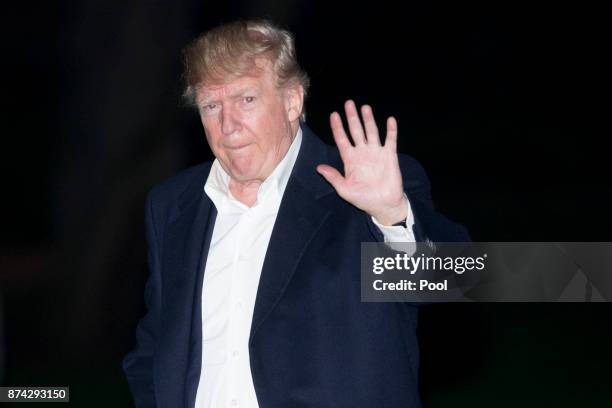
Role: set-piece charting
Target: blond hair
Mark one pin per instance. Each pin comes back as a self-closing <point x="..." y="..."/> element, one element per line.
<point x="231" y="50"/>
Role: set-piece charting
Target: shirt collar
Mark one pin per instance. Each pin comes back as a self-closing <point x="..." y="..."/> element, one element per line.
<point x="273" y="187"/>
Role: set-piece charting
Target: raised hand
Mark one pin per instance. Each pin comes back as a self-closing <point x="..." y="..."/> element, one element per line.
<point x="372" y="178"/>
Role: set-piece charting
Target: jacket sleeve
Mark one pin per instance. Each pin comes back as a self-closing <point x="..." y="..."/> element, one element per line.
<point x="428" y="223"/>
<point x="138" y="364"/>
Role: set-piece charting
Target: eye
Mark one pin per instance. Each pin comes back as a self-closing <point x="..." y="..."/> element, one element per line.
<point x="249" y="99"/>
<point x="208" y="108"/>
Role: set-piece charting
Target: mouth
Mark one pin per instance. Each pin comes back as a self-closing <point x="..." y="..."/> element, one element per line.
<point x="237" y="147"/>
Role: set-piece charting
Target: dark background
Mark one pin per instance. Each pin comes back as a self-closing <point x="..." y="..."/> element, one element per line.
<point x="501" y="103"/>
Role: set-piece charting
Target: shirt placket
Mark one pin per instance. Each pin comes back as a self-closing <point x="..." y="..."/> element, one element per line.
<point x="237" y="320"/>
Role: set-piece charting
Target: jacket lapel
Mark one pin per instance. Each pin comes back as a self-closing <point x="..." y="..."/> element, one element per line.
<point x="186" y="248"/>
<point x="299" y="218"/>
<point x="195" y="348"/>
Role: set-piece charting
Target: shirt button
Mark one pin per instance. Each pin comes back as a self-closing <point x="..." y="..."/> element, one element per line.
<point x="235" y="353"/>
<point x="234" y="402"/>
<point x="238" y="305"/>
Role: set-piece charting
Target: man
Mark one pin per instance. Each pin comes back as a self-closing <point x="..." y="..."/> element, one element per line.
<point x="254" y="293"/>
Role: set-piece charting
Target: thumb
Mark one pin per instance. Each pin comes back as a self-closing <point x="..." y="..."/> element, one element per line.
<point x="332" y="176"/>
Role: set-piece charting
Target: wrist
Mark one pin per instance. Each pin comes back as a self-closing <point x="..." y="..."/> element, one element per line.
<point x="393" y="215"/>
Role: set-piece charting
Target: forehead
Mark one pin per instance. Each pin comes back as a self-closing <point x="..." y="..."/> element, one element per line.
<point x="230" y="87"/>
<point x="258" y="80"/>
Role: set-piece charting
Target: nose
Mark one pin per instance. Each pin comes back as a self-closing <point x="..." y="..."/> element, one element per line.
<point x="230" y="122"/>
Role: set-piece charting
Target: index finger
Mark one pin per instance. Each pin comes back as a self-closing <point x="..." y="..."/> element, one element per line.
<point x="340" y="136"/>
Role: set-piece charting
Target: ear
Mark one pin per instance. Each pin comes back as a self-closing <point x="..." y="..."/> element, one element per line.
<point x="294" y="101"/>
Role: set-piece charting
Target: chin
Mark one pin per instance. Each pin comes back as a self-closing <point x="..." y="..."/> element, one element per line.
<point x="239" y="167"/>
<point x="243" y="173"/>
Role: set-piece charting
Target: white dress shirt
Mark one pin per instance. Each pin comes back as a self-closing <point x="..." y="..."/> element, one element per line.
<point x="238" y="246"/>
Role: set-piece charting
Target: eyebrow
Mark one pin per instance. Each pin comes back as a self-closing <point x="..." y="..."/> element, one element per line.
<point x="233" y="94"/>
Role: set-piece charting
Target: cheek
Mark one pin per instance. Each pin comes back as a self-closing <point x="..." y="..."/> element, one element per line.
<point x="271" y="132"/>
<point x="213" y="136"/>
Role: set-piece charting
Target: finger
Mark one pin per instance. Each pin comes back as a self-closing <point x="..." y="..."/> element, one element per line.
<point x="354" y="123"/>
<point x="370" y="125"/>
<point x="391" y="139"/>
<point x="332" y="176"/>
<point x="340" y="137"/>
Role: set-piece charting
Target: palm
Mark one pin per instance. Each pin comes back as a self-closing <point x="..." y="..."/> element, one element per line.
<point x="372" y="179"/>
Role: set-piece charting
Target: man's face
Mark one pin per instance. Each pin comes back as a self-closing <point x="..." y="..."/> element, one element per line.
<point x="249" y="123"/>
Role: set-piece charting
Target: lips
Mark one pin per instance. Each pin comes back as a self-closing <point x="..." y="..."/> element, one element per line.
<point x="237" y="147"/>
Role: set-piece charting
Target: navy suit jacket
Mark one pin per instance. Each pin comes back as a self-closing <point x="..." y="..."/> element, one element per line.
<point x="313" y="343"/>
